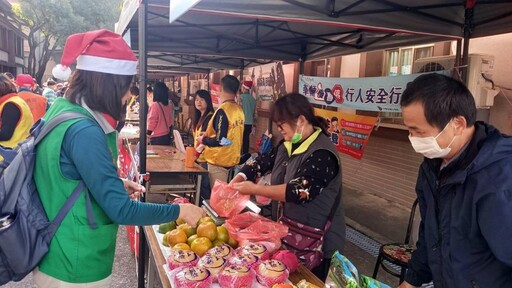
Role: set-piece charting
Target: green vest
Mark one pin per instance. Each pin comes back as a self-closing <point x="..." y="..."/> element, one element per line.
<point x="77" y="253"/>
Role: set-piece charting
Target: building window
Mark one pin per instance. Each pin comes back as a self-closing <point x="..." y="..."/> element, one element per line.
<point x="320" y="68"/>
<point x="423" y="52"/>
<point x="19" y="46"/>
<point x="399" y="61"/>
<point x="406" y="61"/>
<point x="392" y="62"/>
<point x="3" y="38"/>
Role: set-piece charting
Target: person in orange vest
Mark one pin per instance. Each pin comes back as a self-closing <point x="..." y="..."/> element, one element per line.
<point x="37" y="103"/>
<point x="15" y="115"/>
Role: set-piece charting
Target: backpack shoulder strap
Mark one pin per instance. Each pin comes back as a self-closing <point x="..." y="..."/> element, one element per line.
<point x="39" y="135"/>
<point x="67" y="207"/>
<point x="39" y="131"/>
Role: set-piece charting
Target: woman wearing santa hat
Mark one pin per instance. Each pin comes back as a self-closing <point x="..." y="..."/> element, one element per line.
<point x="85" y="150"/>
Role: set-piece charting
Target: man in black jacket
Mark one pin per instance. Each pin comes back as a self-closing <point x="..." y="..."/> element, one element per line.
<point x="464" y="189"/>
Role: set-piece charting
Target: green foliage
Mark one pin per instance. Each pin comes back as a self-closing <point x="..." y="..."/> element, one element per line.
<point x="50" y="22"/>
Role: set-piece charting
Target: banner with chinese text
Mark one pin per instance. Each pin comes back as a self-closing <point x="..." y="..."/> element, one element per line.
<point x="368" y="94"/>
<point x="349" y="133"/>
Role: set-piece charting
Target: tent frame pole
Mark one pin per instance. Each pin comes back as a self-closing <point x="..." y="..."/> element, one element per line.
<point x="209" y="79"/>
<point x="468" y="29"/>
<point x="242" y="67"/>
<point x="141" y="264"/>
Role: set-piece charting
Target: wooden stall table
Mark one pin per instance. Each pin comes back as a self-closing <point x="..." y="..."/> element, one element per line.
<point x="157" y="259"/>
<point x="168" y="174"/>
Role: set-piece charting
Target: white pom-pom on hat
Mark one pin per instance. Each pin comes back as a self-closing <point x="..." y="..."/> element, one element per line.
<point x="61" y="72"/>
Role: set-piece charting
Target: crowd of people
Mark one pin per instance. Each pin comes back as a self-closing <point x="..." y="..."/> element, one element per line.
<point x="23" y="103"/>
<point x="463" y="188"/>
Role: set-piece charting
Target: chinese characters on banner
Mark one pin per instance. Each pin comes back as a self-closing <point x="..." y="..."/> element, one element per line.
<point x="349" y="133"/>
<point x="214" y="92"/>
<point x="368" y="94"/>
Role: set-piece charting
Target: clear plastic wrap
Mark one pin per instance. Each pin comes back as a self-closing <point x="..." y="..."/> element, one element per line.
<point x="213" y="264"/>
<point x="193" y="277"/>
<point x="181" y="259"/>
<point x="271" y="272"/>
<point x="237" y="276"/>
<point x="244" y="259"/>
<point x="256" y="249"/>
<point x="342" y="273"/>
<point x="368" y="282"/>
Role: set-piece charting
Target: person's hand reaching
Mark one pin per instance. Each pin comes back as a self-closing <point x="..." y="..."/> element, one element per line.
<point x="244" y="187"/>
<point x="238" y="178"/>
<point x="200" y="138"/>
<point x="191" y="214"/>
<point x="133" y="189"/>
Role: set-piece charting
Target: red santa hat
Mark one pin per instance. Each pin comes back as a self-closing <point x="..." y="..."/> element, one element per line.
<point x="100" y="51"/>
<point x="247" y="84"/>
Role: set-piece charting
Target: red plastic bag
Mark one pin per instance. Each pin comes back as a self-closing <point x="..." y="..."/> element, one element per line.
<point x="252" y="227"/>
<point x="226" y="201"/>
<point x="124" y="161"/>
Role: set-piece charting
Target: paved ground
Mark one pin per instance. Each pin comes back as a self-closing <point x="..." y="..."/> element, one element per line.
<point x="376" y="217"/>
<point x="372" y="220"/>
<point x="365" y="264"/>
<point x="124" y="266"/>
<point x="381" y="221"/>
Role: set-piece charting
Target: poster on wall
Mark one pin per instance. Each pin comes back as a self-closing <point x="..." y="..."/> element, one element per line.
<point x="203" y="84"/>
<point x="215" y="94"/>
<point x="349" y="133"/>
<point x="369" y="94"/>
<point x="269" y="81"/>
<point x="194" y="86"/>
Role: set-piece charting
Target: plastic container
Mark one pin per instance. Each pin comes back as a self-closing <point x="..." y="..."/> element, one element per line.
<point x="190" y="157"/>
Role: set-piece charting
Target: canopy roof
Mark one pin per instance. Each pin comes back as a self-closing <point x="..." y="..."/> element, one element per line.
<point x="196" y="63"/>
<point x="221" y="33"/>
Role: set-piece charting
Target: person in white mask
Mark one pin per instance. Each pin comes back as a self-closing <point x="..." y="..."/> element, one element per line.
<point x="464" y="189"/>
